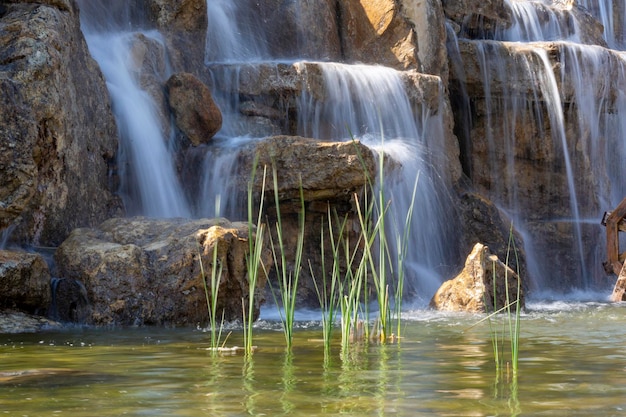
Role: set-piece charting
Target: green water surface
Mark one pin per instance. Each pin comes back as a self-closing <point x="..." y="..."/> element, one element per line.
<point x="572" y="363"/>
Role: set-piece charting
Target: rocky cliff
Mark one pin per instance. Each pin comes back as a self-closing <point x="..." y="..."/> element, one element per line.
<point x="513" y="140"/>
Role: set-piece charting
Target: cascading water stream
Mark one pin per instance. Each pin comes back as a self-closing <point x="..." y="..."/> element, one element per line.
<point x="577" y="106"/>
<point x="149" y="184"/>
<point x="368" y="103"/>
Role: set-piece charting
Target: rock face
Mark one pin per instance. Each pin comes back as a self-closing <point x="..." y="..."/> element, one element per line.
<point x="146" y="271"/>
<point x="57" y="132"/>
<point x="24" y="282"/>
<point x="195" y="112"/>
<point x="474" y="290"/>
<point x="184" y="24"/>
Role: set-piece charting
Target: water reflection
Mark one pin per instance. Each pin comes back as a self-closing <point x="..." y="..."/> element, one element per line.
<point x="571" y="364"/>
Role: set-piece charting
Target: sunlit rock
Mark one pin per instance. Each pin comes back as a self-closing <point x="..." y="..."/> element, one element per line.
<point x="474" y="289"/>
<point x="147" y="271"/>
<point x="24" y="282"/>
<point x="195" y="112"/>
<point x="377" y="32"/>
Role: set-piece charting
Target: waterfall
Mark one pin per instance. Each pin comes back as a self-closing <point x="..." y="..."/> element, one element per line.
<point x="369" y="103"/>
<point x="232" y="36"/>
<point x="570" y="96"/>
<point x="148" y="181"/>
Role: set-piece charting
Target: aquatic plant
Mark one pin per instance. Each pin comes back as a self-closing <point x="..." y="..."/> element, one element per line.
<point x="211" y="294"/>
<point x="402" y="244"/>
<point x="287" y="279"/>
<point x="330" y="291"/>
<point x="512" y="320"/>
<point x="253" y="259"/>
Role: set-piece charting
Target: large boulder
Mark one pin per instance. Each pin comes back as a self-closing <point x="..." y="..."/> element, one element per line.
<point x="24" y="282"/>
<point x="147" y="271"/>
<point x="195" y="112"/>
<point x="58" y="137"/>
<point x="332" y="176"/>
<point x="481" y="287"/>
<point x="376" y="32"/>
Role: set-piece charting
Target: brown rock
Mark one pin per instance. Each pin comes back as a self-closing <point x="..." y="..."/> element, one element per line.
<point x="24" y="282"/>
<point x="478" y="16"/>
<point x="302" y="29"/>
<point x="328" y="170"/>
<point x="474" y="290"/>
<point x="147" y="271"/>
<point x="195" y="112"/>
<point x="57" y="132"/>
<point x="184" y="25"/>
<point x="376" y="32"/>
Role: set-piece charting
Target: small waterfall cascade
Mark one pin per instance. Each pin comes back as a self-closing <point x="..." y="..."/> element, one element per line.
<point x="366" y="102"/>
<point x="550" y="103"/>
<point x="148" y="181"/>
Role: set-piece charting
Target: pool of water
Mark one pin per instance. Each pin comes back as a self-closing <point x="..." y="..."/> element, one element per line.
<point x="572" y="363"/>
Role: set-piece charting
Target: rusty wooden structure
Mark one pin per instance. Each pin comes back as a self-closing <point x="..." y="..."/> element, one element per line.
<point x="615" y="222"/>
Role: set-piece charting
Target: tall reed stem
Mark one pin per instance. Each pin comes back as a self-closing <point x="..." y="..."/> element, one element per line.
<point x="211" y="295"/>
<point x="253" y="260"/>
<point x="287" y="280"/>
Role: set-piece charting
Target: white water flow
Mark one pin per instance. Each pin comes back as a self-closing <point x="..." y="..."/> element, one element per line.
<point x="148" y="181"/>
<point x="580" y="106"/>
<point x="368" y="103"/>
<point x="612" y="15"/>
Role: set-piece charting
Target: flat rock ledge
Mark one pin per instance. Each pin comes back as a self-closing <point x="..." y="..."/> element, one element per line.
<point x="141" y="271"/>
<point x="14" y="322"/>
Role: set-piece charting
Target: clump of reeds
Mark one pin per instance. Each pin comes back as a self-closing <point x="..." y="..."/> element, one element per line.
<point x="287" y="277"/>
<point x="256" y="229"/>
<point x="211" y="292"/>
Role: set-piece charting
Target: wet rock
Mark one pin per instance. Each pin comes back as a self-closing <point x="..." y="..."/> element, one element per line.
<point x="474" y="290"/>
<point x="429" y="24"/>
<point x="302" y="29"/>
<point x="515" y="143"/>
<point x="334" y="173"/>
<point x="195" y="112"/>
<point x="477" y="16"/>
<point x="19" y="322"/>
<point x="481" y="221"/>
<point x="145" y="271"/>
<point x="24" y="282"/>
<point x="183" y="24"/>
<point x="57" y="133"/>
